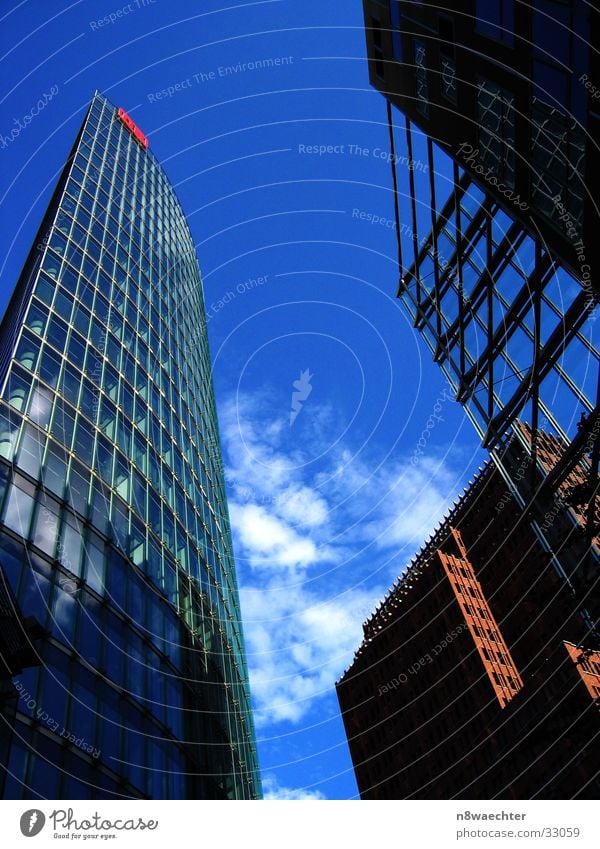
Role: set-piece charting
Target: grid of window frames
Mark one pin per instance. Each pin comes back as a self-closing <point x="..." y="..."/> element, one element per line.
<point x="515" y="334"/>
<point x="454" y="239"/>
<point x="114" y="526"/>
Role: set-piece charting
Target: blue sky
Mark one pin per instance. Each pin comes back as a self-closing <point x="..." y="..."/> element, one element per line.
<point x="327" y="504"/>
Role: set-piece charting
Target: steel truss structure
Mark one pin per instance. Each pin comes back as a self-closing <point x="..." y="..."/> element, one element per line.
<point x="515" y="336"/>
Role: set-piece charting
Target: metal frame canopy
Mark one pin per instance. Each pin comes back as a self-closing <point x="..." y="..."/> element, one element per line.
<point x="516" y="336"/>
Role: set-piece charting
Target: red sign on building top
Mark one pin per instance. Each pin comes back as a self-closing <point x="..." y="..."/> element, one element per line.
<point x="133" y="127"/>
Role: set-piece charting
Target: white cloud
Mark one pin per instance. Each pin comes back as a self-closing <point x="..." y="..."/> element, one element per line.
<point x="406" y="501"/>
<point x="270" y="542"/>
<point x="273" y="790"/>
<point x="317" y="546"/>
<point x="297" y="644"/>
<point x="302" y="506"/>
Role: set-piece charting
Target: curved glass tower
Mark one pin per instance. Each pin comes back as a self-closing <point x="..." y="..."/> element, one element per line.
<point x="114" y="530"/>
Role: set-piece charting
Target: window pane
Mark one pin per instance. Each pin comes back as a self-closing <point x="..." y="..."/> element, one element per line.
<point x="33" y="597"/>
<point x="78" y="488"/>
<point x="64" y="613"/>
<point x="17" y="391"/>
<point x="84" y="442"/>
<point x="46" y="526"/>
<point x="27" y="351"/>
<point x="89" y="629"/>
<point x="49" y="367"/>
<point x="9" y="432"/>
<point x="94" y="569"/>
<point x="70" y="546"/>
<point x="17" y="512"/>
<point x="40" y="405"/>
<point x="63" y="424"/>
<point x="30" y="453"/>
<point x="55" y="469"/>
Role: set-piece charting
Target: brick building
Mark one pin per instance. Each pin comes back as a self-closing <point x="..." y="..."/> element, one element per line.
<point x="475" y="678"/>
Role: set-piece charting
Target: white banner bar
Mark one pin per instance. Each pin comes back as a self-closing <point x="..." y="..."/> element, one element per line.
<point x="312" y="824"/>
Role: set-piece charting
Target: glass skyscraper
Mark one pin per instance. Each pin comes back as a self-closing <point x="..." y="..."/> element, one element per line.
<point x="114" y="530"/>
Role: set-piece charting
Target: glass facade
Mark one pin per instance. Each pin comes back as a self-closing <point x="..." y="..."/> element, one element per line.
<point x="114" y="530"/>
<point x="496" y="124"/>
<point x="506" y="89"/>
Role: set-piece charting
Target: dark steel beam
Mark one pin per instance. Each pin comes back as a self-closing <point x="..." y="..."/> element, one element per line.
<point x="489" y="275"/>
<point x="537" y="326"/>
<point x="395" y="183"/>
<point x="434" y="240"/>
<point x="413" y="207"/>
